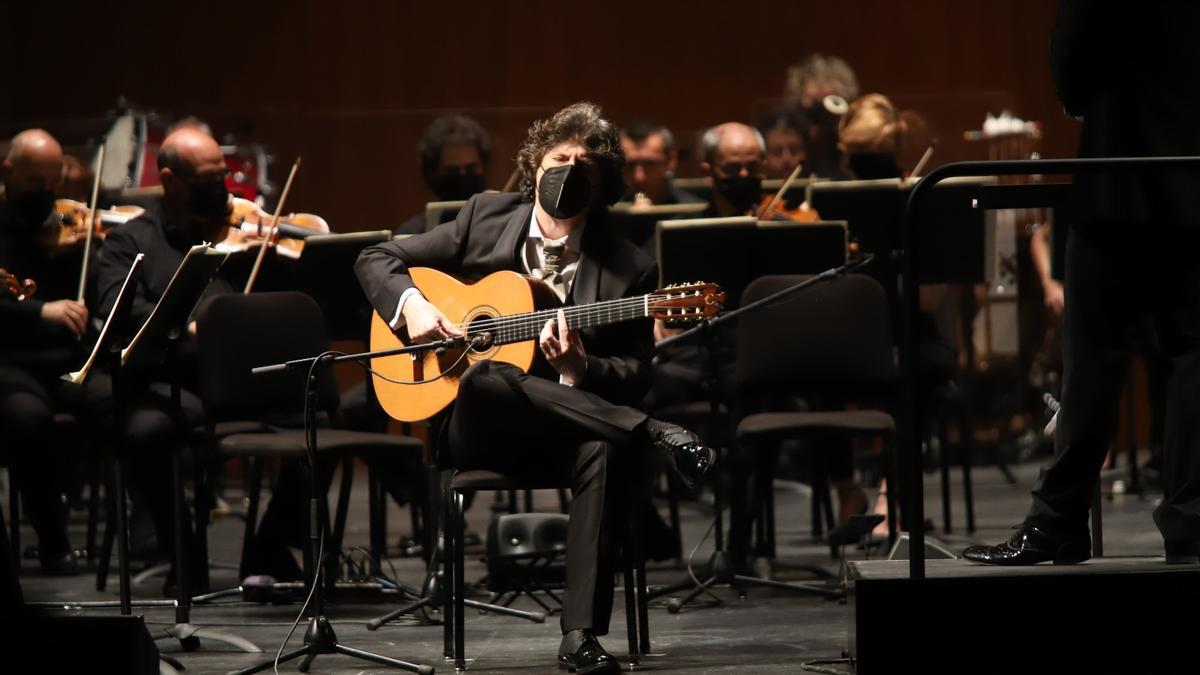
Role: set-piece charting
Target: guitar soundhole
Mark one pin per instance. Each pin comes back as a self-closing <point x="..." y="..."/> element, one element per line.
<point x="482" y="324"/>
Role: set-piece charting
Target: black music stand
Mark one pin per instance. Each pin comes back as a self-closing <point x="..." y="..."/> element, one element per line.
<point x="325" y="272"/>
<point x="731" y="252"/>
<point x="638" y="224"/>
<point x="437" y="213"/>
<point x="157" y="343"/>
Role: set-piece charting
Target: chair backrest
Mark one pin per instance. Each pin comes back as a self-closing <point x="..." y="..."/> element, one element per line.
<point x="832" y="339"/>
<point x="238" y="332"/>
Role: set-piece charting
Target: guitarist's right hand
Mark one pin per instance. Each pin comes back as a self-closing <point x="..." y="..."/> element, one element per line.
<point x="426" y="322"/>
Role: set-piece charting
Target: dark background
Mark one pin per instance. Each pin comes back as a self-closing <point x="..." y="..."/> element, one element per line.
<point x="351" y="85"/>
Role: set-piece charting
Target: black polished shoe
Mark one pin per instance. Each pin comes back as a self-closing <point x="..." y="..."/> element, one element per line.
<point x="580" y="652"/>
<point x="1183" y="552"/>
<point x="690" y="458"/>
<point x="1030" y="545"/>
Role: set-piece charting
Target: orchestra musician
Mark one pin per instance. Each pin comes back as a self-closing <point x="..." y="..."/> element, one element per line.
<point x="40" y="341"/>
<point x="650" y="162"/>
<point x="808" y="84"/>
<point x="732" y="155"/>
<point x="193" y="208"/>
<point x="579" y="425"/>
<point x="454" y="152"/>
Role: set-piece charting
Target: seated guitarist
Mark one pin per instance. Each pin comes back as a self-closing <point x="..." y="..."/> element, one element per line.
<point x="580" y="426"/>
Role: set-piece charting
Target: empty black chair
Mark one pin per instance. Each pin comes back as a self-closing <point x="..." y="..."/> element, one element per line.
<point x="832" y="342"/>
<point x="239" y="332"/>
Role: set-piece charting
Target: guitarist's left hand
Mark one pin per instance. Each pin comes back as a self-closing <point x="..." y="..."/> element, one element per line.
<point x="565" y="350"/>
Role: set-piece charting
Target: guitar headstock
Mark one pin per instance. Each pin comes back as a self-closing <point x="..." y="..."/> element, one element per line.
<point x="682" y="303"/>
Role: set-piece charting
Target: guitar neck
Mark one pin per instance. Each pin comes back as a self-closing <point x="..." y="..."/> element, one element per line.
<point x="521" y="327"/>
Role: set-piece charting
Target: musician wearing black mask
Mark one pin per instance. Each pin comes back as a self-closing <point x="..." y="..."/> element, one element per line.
<point x="454" y="152"/>
<point x="40" y="341"/>
<point x="577" y="424"/>
<point x="733" y="156"/>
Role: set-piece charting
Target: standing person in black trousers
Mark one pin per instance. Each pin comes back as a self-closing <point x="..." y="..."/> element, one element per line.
<point x="1129" y="71"/>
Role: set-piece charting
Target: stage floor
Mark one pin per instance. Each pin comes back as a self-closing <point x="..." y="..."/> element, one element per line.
<point x="767" y="632"/>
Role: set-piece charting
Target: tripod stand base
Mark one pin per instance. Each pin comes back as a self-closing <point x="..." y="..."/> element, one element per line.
<point x="320" y="639"/>
<point x="721" y="573"/>
<point x="434" y="598"/>
<point x="189" y="637"/>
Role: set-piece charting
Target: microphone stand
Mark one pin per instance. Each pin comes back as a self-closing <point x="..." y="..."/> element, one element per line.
<point x="320" y="637"/>
<point x="720" y="569"/>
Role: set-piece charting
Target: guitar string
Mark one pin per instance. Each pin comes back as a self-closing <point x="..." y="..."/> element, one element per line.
<point x="592" y="311"/>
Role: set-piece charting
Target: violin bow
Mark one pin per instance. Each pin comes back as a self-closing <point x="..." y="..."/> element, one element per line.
<point x="271" y="231"/>
<point x="766" y="210"/>
<point x="512" y="180"/>
<point x="916" y="172"/>
<point x="91" y="222"/>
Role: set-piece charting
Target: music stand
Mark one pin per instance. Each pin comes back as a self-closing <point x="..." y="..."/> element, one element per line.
<point x="637" y="224"/>
<point x="325" y="272"/>
<point x="729" y="252"/>
<point x="157" y="343"/>
<point x="437" y="213"/>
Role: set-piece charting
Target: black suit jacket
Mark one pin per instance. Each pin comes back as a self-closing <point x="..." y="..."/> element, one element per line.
<point x="489" y="236"/>
<point x="1130" y="70"/>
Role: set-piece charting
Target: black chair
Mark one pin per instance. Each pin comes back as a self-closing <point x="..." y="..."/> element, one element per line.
<point x="459" y="484"/>
<point x="831" y="342"/>
<point x="239" y="332"/>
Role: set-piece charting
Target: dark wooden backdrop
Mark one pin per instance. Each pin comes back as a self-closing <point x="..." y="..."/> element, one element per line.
<point x="350" y="85"/>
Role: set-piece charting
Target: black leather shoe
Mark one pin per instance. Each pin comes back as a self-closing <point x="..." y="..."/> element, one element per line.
<point x="688" y="456"/>
<point x="580" y="652"/>
<point x="1182" y="552"/>
<point x="1030" y="545"/>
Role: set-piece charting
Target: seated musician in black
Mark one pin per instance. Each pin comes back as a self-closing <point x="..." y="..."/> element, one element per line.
<point x="581" y="426"/>
<point x="40" y="342"/>
<point x="193" y="207"/>
<point x="454" y="153"/>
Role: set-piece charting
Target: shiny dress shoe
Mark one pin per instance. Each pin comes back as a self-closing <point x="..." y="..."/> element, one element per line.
<point x="688" y="456"/>
<point x="1183" y="552"/>
<point x="580" y="652"/>
<point x="1030" y="545"/>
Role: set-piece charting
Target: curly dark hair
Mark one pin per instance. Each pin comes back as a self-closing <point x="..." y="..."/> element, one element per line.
<point x="582" y="122"/>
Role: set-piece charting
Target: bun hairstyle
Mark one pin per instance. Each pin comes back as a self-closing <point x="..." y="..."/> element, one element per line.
<point x="872" y="125"/>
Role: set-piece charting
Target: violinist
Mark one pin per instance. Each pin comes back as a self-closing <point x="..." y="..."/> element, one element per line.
<point x="40" y="341"/>
<point x="784" y="131"/>
<point x="732" y="154"/>
<point x="454" y="151"/>
<point x="650" y="162"/>
<point x="193" y="208"/>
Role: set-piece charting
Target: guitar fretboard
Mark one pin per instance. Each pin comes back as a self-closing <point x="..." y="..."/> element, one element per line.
<point x="520" y="327"/>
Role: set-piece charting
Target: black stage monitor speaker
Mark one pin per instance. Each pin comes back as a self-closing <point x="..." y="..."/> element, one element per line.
<point x="63" y="643"/>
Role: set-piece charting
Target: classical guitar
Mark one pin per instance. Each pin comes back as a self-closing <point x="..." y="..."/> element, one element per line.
<point x="502" y="315"/>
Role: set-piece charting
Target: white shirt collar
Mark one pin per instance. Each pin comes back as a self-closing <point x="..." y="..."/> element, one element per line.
<point x="572" y="240"/>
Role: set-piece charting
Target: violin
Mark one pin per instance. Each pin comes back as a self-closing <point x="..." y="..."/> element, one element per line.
<point x="249" y="227"/>
<point x="73" y="223"/>
<point x="19" y="289"/>
<point x="774" y="206"/>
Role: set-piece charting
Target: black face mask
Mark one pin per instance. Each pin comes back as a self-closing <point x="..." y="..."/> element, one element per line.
<point x="565" y="191"/>
<point x="208" y="200"/>
<point x="33" y="207"/>
<point x="742" y="192"/>
<point x="873" y="165"/>
<point x="455" y="186"/>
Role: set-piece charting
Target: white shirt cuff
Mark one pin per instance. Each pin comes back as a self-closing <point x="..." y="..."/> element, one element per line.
<point x="395" y="322"/>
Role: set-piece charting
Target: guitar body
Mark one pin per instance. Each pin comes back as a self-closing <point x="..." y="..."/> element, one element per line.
<point x="498" y="294"/>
